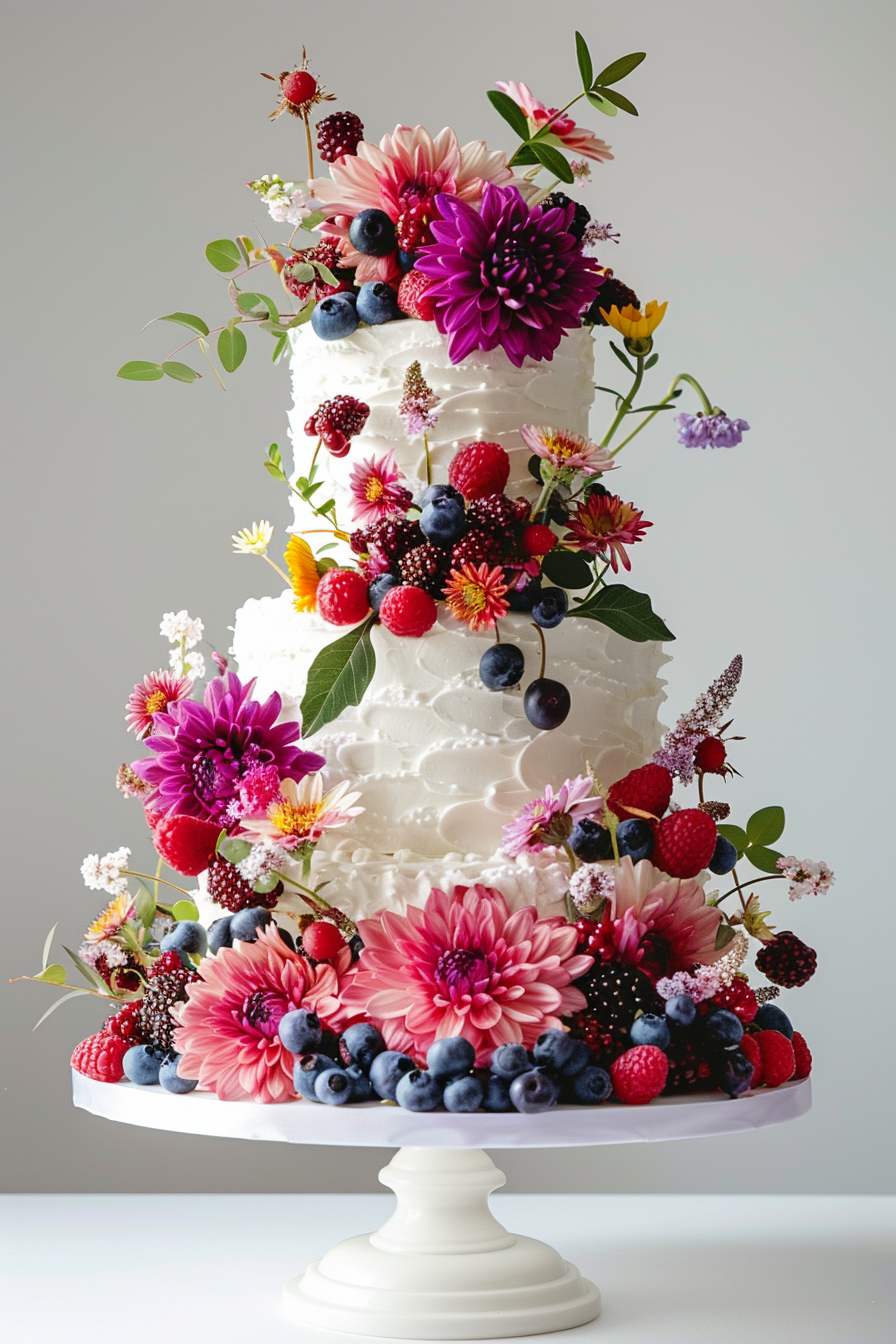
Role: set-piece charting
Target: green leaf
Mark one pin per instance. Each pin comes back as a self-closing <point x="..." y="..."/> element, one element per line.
<point x="325" y="273"/>
<point x="181" y="373"/>
<point x="524" y="155"/>
<point x="266" y="885"/>
<point x="618" y="69"/>
<point x="766" y="826"/>
<point x="51" y="975"/>
<point x="512" y="113"/>
<point x="311" y="221"/>
<point x="737" y="837"/>
<point x="553" y="160"/>
<point x="274" y="454"/>
<point x="618" y="395"/>
<point x="88" y="972"/>
<point x="338" y="677"/>
<point x="144" y="906"/>
<point x="625" y="611"/>
<point x="277" y="472"/>
<point x="223" y="254"/>
<point x="724" y="934"/>
<point x="567" y="569"/>
<point x="281" y="345"/>
<point x="661" y="406"/>
<point x="583" y="56"/>
<point x="766" y="860"/>
<point x="602" y="104"/>
<point x="256" y="304"/>
<point x="45" y="956"/>
<point x="619" y="100"/>
<point x="231" y="348"/>
<point x="234" y="850"/>
<point x="72" y="994"/>
<point x="187" y="320"/>
<point x="654" y="359"/>
<point x="304" y="272"/>
<point x="621" y="355"/>
<point x="139" y="371"/>
<point x="184" y="910"/>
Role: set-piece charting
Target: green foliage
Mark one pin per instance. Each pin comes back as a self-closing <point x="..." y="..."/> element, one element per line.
<point x="72" y="994"/>
<point x="140" y="371"/>
<point x="231" y="848"/>
<point x="567" y="569"/>
<point x="224" y="255"/>
<point x="622" y="356"/>
<point x="583" y="57"/>
<point x="619" y="100"/>
<point x="766" y="826"/>
<point x="338" y="677"/>
<point x="187" y="320"/>
<point x="724" y="934"/>
<point x="736" y="835"/>
<point x="618" y="69"/>
<point x="231" y="347"/>
<point x="144" y="906"/>
<point x="553" y="160"/>
<point x="601" y="104"/>
<point x="763" y="829"/>
<point x="181" y="373"/>
<point x="89" y="974"/>
<point x="47" y="945"/>
<point x="763" y="858"/>
<point x="184" y="910"/>
<point x="51" y="975"/>
<point x="625" y="611"/>
<point x="512" y="113"/>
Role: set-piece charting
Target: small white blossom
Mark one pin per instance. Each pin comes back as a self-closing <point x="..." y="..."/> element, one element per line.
<point x="104" y="874"/>
<point x="191" y="665"/>
<point x="253" y="540"/>
<point x="589" y="886"/>
<point x="260" y="863"/>
<point x="806" y="877"/>
<point x="179" y="627"/>
<point x="291" y="208"/>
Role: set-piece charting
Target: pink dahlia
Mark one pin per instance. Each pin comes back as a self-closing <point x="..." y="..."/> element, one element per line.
<point x="567" y="451"/>
<point x="465" y="966"/>
<point x="604" y="526"/>
<point x="575" y="138"/>
<point x="549" y="820"/>
<point x="157" y="691"/>
<point x="227" y="1029"/>
<point x="376" y="492"/>
<point x="403" y="175"/>
<point x="662" y="921"/>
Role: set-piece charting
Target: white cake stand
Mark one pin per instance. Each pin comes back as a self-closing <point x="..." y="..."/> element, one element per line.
<point x="442" y="1267"/>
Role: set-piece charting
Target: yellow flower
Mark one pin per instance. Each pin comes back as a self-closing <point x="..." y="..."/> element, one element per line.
<point x="303" y="573"/>
<point x="253" y="540"/>
<point x="632" y="323"/>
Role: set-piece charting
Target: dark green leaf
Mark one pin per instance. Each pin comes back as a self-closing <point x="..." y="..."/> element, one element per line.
<point x="139" y="371"/>
<point x="654" y="359"/>
<point x="278" y="350"/>
<point x="512" y="113"/>
<point x="583" y="56"/>
<point x="616" y="70"/>
<point x="763" y="858"/>
<point x="51" y="975"/>
<point x="618" y="395"/>
<point x="625" y="611"/>
<point x="620" y="355"/>
<point x="724" y="934"/>
<point x="181" y="373"/>
<point x="524" y="155"/>
<point x="231" y="348"/>
<point x="553" y="160"/>
<point x="660" y="406"/>
<point x="602" y="104"/>
<point x="736" y="835"/>
<point x="618" y="100"/>
<point x="567" y="569"/>
<point x="187" y="320"/>
<point x="325" y="273"/>
<point x="144" y="906"/>
<point x="338" y="677"/>
<point x="223" y="254"/>
<point x="766" y="826"/>
<point x="184" y="910"/>
<point x="533" y="466"/>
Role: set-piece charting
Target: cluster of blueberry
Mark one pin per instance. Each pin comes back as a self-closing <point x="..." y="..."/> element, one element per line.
<point x="717" y="1035"/>
<point x="372" y="233"/>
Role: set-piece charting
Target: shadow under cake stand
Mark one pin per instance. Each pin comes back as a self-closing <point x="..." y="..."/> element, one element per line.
<point x="442" y="1267"/>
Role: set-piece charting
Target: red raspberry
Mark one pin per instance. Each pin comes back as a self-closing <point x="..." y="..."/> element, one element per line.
<point x="126" y="1023"/>
<point x="322" y="940"/>
<point x="538" y="540"/>
<point x="749" y="1047"/>
<point x="739" y="999"/>
<point x="298" y="87"/>
<point x="166" y="964"/>
<point x="100" y="1056"/>
<point x="413" y="298"/>
<point x="479" y="470"/>
<point x="336" y="422"/>
<point x="640" y="1074"/>
<point x="685" y="842"/>
<point x="648" y="788"/>
<point x="778" y="1058"/>
<point x="710" y="756"/>
<point x="802" y="1055"/>
<point x="339" y="133"/>
<point x="408" y="610"/>
<point x="342" y="597"/>
<point x="152" y="818"/>
<point x="187" y="844"/>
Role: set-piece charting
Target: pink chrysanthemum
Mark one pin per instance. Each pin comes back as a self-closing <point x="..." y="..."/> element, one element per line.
<point x="227" y="1029"/>
<point x="157" y="691"/>
<point x="475" y="594"/>
<point x="549" y="820"/>
<point x="376" y="492"/>
<point x="465" y="966"/>
<point x="670" y="913"/>
<point x="575" y="138"/>
<point x="604" y="526"/>
<point x="567" y="451"/>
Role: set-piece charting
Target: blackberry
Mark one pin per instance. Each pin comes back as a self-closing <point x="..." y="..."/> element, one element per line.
<point x="226" y="887"/>
<point x="611" y="291"/>
<point x="394" y="537"/>
<point x="166" y="987"/>
<point x="787" y="961"/>
<point x="339" y="133"/>
<point x="689" y="1071"/>
<point x="498" y="515"/>
<point x="581" y="217"/>
<point x="603" y="1042"/>
<point x="616" y="994"/>
<point x="424" y="567"/>
<point x="476" y="548"/>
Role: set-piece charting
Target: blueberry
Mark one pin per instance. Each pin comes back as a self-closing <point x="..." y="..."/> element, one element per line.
<point x="335" y="317"/>
<point x="553" y="1048"/>
<point x="379" y="588"/>
<point x="373" y="233"/>
<point x="362" y="1088"/>
<point x="219" y="934"/>
<point x="524" y="599"/>
<point x="300" y="1031"/>
<point x="534" y="1091"/>
<point x="550" y="608"/>
<point x="377" y="303"/>
<point x="590" y="842"/>
<point x="333" y="1087"/>
<point x="186" y="936"/>
<point x="306" y="1071"/>
<point x="681" y="1010"/>
<point x="386" y="1070"/>
<point x="434" y="492"/>
<point x="450" y="1058"/>
<point x="464" y="1094"/>
<point x="142" y="1064"/>
<point x="443" y="521"/>
<point x="361" y="1044"/>
<point x="497" y="1094"/>
<point x="546" y="703"/>
<point x="588" y="1088"/>
<point x="634" y="838"/>
<point x="501" y="667"/>
<point x="579" y="1059"/>
<point x="287" y="938"/>
<point x="509" y="1061"/>
<point x="650" y="1029"/>
<point x="724" y="1028"/>
<point x="772" y="1018"/>
<point x="734" y="1074"/>
<point x="419" y="1091"/>
<point x="171" y="1079"/>
<point x="724" y="857"/>
<point x="247" y="924"/>
<point x="406" y="260"/>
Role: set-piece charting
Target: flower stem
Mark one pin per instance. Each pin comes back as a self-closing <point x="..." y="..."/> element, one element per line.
<point x="681" y="378"/>
<point x="544" y="498"/>
<point x="544" y="652"/>
<point x="273" y="565"/>
<point x="753" y="882"/>
<point x="626" y="404"/>
<point x="308" y="146"/>
<point x="314" y="457"/>
<point x="145" y="877"/>
<point x="428" y="458"/>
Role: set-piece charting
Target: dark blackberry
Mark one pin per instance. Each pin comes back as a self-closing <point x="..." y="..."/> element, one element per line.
<point x="339" y="133"/>
<point x="424" y="567"/>
<point x="360" y="541"/>
<point x="498" y="515"/>
<point x="616" y="993"/>
<point x="581" y="217"/>
<point x="394" y="537"/>
<point x="787" y="961"/>
<point x="165" y="988"/>
<point x="226" y="887"/>
<point x="689" y="1070"/>
<point x="611" y="291"/>
<point x="605" y="1043"/>
<point x="477" y="547"/>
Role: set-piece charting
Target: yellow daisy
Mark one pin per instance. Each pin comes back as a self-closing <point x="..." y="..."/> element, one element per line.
<point x="632" y="323"/>
<point x="253" y="540"/>
<point x="303" y="573"/>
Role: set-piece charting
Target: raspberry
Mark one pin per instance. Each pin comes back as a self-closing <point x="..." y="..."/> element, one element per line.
<point x="710" y="756"/>
<point x="336" y="422"/>
<point x="611" y="292"/>
<point x="424" y="567"/>
<point x="787" y="961"/>
<point x="187" y="844"/>
<point x="685" y="842"/>
<point x="749" y="1047"/>
<point x="394" y="537"/>
<point x="413" y="298"/>
<point x="476" y="548"/>
<point x="778" y="1058"/>
<point x="739" y="999"/>
<point x="324" y="252"/>
<point x="167" y="963"/>
<point x="342" y="597"/>
<point x="538" y="539"/>
<point x="339" y="133"/>
<point x="640" y="1074"/>
<point x="126" y="1023"/>
<point x="225" y="886"/>
<point x="298" y="87"/>
<point x="408" y="611"/>
<point x="322" y="940"/>
<point x="100" y="1056"/>
<point x="479" y="470"/>
<point x="152" y="818"/>
<point x="581" y="216"/>
<point x="802" y="1055"/>
<point x="648" y="788"/>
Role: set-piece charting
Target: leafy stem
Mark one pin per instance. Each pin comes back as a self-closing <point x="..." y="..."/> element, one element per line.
<point x="625" y="405"/>
<point x="670" y="395"/>
<point x="753" y="882"/>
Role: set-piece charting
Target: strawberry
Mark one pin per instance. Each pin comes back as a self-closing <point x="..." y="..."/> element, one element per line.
<point x="640" y="1074"/>
<point x="413" y="298"/>
<point x="778" y="1057"/>
<point x="408" y="610"/>
<point x="479" y="470"/>
<point x="648" y="788"/>
<point x="749" y="1047"/>
<point x="100" y="1056"/>
<point x="685" y="842"/>
<point x="342" y="597"/>
<point x="187" y="844"/>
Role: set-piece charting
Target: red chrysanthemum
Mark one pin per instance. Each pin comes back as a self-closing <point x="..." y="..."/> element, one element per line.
<point x="604" y="526"/>
<point x="475" y="594"/>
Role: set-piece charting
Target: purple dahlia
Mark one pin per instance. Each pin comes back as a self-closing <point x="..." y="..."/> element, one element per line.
<point x="506" y="275"/>
<point x="202" y="752"/>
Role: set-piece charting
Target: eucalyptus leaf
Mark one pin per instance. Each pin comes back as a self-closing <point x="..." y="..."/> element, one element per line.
<point x="325" y="273"/>
<point x="188" y="320"/>
<point x="303" y="273"/>
<point x="181" y="373"/>
<point x="234" y="850"/>
<point x="602" y="104"/>
<point x="621" y="355"/>
<point x="625" y="611"/>
<point x="144" y="906"/>
<point x="281" y="345"/>
<point x="763" y="858"/>
<point x="45" y="957"/>
<point x="338" y="677"/>
<point x="618" y="69"/>
<point x="583" y="56"/>
<point x="512" y="113"/>
<point x="263" y="886"/>
<point x="223" y="254"/>
<point x="72" y="994"/>
<point x="231" y="348"/>
<point x="184" y="910"/>
<point x="724" y="934"/>
<point x="567" y="569"/>
<point x="618" y="100"/>
<point x="553" y="160"/>
<point x="140" y="371"/>
<point x="736" y="835"/>
<point x="311" y="221"/>
<point x="51" y="975"/>
<point x="89" y="974"/>
<point x="766" y="826"/>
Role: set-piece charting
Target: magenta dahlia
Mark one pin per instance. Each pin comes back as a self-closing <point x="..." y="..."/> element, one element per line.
<point x="201" y="753"/>
<point x="463" y="965"/>
<point x="508" y="275"/>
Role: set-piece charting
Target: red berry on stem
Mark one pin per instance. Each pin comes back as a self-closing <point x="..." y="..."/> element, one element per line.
<point x="342" y="597"/>
<point x="298" y="87"/>
<point x="710" y="756"/>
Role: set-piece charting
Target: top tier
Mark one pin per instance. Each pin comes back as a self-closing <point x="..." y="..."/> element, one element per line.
<point x="485" y="397"/>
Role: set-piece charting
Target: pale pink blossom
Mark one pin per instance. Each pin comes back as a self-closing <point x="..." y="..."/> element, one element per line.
<point x="566" y="451"/>
<point x="806" y="876"/>
<point x="672" y="910"/>
<point x="549" y="820"/>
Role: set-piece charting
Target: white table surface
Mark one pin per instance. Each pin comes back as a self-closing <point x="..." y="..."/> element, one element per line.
<point x="705" y="1269"/>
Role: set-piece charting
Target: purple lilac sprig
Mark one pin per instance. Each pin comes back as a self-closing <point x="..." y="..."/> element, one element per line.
<point x="679" y="745"/>
<point x="709" y="431"/>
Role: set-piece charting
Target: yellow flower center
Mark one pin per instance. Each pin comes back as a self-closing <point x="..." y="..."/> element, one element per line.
<point x="158" y="700"/>
<point x="290" y="819"/>
<point x="473" y="596"/>
<point x="375" y="490"/>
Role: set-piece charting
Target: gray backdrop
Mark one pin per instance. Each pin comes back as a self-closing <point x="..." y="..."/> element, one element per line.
<point x="754" y="193"/>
